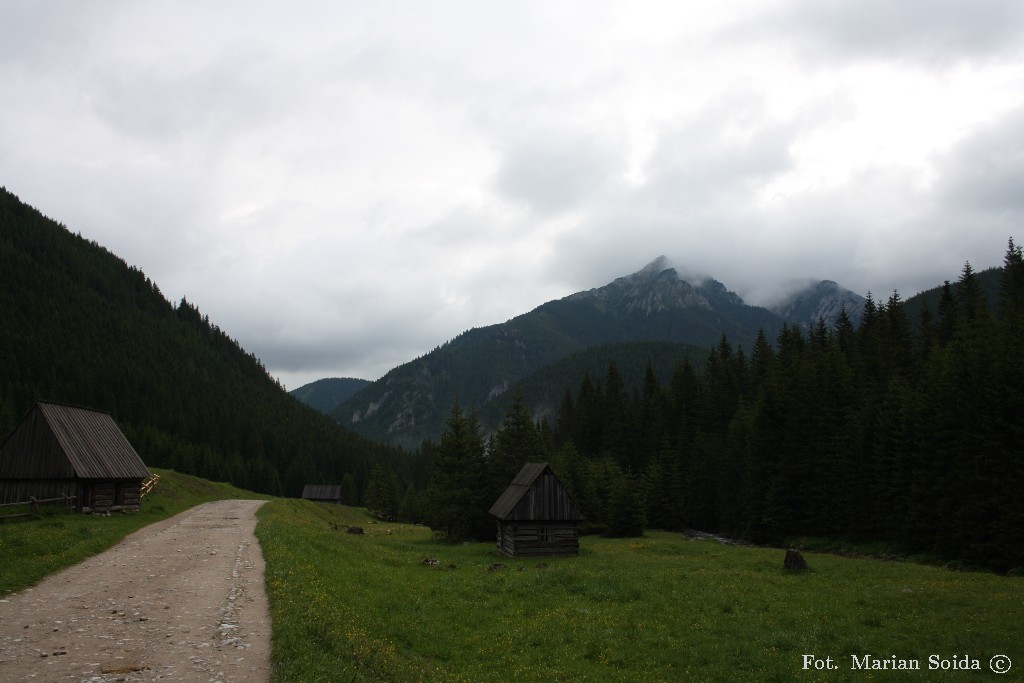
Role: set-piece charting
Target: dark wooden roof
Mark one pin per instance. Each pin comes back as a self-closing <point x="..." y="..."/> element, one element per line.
<point x="322" y="492"/>
<point x="536" y="494"/>
<point x="57" y="441"/>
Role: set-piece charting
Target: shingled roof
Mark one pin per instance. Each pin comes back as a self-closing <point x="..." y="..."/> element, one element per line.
<point x="322" y="492"/>
<point x="57" y="440"/>
<point x="524" y="499"/>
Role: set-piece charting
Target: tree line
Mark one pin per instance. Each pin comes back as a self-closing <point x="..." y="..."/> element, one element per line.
<point x="81" y="326"/>
<point x="907" y="431"/>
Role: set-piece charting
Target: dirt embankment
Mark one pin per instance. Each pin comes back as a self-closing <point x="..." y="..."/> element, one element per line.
<point x="181" y="600"/>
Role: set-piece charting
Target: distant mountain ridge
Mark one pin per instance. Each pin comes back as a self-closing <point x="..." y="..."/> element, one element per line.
<point x="327" y="394"/>
<point x="654" y="304"/>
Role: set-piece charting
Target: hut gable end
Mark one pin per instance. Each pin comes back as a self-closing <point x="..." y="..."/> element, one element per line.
<point x="536" y="515"/>
<point x="536" y="494"/>
<point x="32" y="451"/>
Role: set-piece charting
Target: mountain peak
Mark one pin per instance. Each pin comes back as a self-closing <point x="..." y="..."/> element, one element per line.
<point x="823" y="299"/>
<point x="655" y="267"/>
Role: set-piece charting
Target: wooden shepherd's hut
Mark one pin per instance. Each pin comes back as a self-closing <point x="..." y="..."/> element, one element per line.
<point x="66" y="451"/>
<point x="536" y="515"/>
<point x="322" y="493"/>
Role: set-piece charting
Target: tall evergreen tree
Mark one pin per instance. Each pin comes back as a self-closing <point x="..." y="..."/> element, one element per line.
<point x="619" y="426"/>
<point x="1011" y="286"/>
<point x="515" y="443"/>
<point x="456" y="503"/>
<point x="947" y="314"/>
<point x="625" y="507"/>
<point x="971" y="298"/>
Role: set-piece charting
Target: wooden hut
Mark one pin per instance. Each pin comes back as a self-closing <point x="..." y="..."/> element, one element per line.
<point x="66" y="451"/>
<point x="322" y="493"/>
<point x="536" y="515"/>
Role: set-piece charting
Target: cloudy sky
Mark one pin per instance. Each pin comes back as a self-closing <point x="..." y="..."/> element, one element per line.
<point x="342" y="186"/>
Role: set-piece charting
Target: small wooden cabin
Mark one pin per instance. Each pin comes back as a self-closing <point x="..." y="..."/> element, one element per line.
<point x="536" y="515"/>
<point x="322" y="493"/>
<point x="60" y="450"/>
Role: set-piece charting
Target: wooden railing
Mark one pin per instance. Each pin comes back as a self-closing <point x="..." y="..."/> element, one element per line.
<point x="33" y="503"/>
<point x="149" y="485"/>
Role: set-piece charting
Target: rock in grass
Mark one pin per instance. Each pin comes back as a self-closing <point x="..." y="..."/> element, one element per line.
<point x="355" y="529"/>
<point x="795" y="561"/>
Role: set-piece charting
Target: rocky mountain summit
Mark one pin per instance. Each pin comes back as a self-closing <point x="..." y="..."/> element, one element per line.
<point x="825" y="300"/>
<point x="653" y="304"/>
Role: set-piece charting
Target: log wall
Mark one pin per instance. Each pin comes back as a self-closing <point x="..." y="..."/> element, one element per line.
<point x="533" y="539"/>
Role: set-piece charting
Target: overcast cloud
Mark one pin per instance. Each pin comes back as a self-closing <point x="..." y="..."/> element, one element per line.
<point x="343" y="186"/>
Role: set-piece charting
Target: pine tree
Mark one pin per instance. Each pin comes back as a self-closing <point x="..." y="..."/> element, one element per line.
<point x="411" y="510"/>
<point x="1011" y="286"/>
<point x="971" y="298"/>
<point x="383" y="494"/>
<point x="456" y="506"/>
<point x="619" y="426"/>
<point x="625" y="508"/>
<point x="845" y="333"/>
<point x="664" y="485"/>
<point x="947" y="313"/>
<point x="514" y="444"/>
<point x="762" y="361"/>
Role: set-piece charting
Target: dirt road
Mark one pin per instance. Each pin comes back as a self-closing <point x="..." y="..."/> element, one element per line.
<point x="181" y="600"/>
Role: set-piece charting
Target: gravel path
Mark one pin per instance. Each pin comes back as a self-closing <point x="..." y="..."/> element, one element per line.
<point x="180" y="600"/>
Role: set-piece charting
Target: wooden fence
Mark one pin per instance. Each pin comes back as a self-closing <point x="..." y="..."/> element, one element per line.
<point x="66" y="502"/>
<point x="149" y="485"/>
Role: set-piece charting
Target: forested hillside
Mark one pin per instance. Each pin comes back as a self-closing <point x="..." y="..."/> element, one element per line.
<point x="409" y="403"/>
<point x="905" y="431"/>
<point x="81" y="326"/>
<point x="327" y="394"/>
<point x="544" y="389"/>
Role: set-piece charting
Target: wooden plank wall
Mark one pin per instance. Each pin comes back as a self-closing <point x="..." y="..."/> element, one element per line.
<point x="19" y="490"/>
<point x="131" y="495"/>
<point x="111" y="496"/>
<point x="104" y="495"/>
<point x="546" y="500"/>
<point x="32" y="452"/>
<point x="520" y="540"/>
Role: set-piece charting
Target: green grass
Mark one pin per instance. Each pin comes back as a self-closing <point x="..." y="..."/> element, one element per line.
<point x="31" y="549"/>
<point x="660" y="608"/>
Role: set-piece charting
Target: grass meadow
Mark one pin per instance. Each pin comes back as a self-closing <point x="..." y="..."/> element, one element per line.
<point x="659" y="608"/>
<point x="30" y="550"/>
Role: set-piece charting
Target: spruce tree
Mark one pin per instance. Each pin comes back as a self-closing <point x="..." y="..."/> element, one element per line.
<point x="456" y="504"/>
<point x="970" y="297"/>
<point x="1011" y="285"/>
<point x="947" y="313"/>
<point x="515" y="443"/>
<point x="625" y="508"/>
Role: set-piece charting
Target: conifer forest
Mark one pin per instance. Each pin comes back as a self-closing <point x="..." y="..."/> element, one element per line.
<point x="905" y="430"/>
